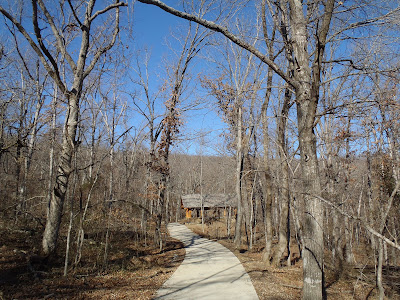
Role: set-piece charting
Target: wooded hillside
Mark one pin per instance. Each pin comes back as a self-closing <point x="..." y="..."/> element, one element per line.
<point x="98" y="142"/>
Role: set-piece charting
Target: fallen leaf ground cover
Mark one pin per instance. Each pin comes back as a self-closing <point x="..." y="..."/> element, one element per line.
<point x="134" y="269"/>
<point x="342" y="281"/>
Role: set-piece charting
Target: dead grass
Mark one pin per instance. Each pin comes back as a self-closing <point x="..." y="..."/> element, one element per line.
<point x="134" y="270"/>
<point x="342" y="281"/>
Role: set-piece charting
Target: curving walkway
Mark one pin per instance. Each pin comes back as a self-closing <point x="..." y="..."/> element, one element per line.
<point x="209" y="271"/>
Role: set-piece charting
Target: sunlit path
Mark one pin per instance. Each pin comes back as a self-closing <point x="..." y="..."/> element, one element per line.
<point x="209" y="271"/>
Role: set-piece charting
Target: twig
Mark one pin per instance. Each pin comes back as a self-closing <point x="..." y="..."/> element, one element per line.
<point x="292" y="286"/>
<point x="362" y="222"/>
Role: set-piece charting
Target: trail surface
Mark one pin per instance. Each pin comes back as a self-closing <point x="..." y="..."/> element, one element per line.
<point x="209" y="271"/>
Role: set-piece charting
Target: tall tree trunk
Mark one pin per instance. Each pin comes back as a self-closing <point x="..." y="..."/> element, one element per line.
<point x="18" y="174"/>
<point x="201" y="192"/>
<point x="32" y="139"/>
<point x="111" y="175"/>
<point x="348" y="227"/>
<point x="71" y="195"/>
<point x="56" y="203"/>
<point x="92" y="144"/>
<point x="284" y="233"/>
<point x="308" y="80"/>
<point x="348" y="255"/>
<point x="228" y="223"/>
<point x="19" y="153"/>
<point x="52" y="142"/>
<point x="238" y="188"/>
<point x="267" y="171"/>
<point x="252" y="213"/>
<point x="371" y="203"/>
<point x="337" y="247"/>
<point x="313" y="239"/>
<point x="80" y="232"/>
<point x="379" y="283"/>
<point x="2" y="119"/>
<point x="30" y="147"/>
<point x="295" y="210"/>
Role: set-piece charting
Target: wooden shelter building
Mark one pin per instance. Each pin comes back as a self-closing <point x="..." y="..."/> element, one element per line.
<point x="216" y="203"/>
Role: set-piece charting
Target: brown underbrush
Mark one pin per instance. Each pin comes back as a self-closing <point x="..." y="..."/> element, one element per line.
<point x="134" y="268"/>
<point x="343" y="281"/>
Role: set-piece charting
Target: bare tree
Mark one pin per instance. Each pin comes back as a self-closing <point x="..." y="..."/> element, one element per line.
<point x="269" y="39"/>
<point x="307" y="54"/>
<point x="24" y="87"/>
<point x="235" y="91"/>
<point x="81" y="19"/>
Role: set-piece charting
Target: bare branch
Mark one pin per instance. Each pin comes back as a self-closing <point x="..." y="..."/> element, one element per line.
<point x="362" y="222"/>
<point x="115" y="5"/>
<point x="19" y="52"/>
<point x="74" y="13"/>
<point x="60" y="43"/>
<point x="52" y="72"/>
<point x="363" y="23"/>
<point x="218" y="28"/>
<point x="109" y="46"/>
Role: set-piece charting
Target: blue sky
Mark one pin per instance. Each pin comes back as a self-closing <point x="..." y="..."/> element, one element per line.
<point x="152" y="27"/>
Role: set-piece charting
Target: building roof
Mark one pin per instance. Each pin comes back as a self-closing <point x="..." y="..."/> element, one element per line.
<point x="209" y="200"/>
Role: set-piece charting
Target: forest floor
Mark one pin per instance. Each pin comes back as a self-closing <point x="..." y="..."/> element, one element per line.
<point x="342" y="282"/>
<point x="136" y="270"/>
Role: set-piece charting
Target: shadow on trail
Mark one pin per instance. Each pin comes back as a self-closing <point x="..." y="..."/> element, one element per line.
<point x="199" y="282"/>
<point x="209" y="271"/>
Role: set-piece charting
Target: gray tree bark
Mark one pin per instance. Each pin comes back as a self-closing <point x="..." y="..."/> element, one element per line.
<point x="238" y="185"/>
<point x="284" y="220"/>
<point x="80" y="70"/>
<point x="379" y="283"/>
<point x="306" y="83"/>
<point x="268" y="195"/>
<point x="307" y="96"/>
<point x="268" y="189"/>
<point x="56" y="203"/>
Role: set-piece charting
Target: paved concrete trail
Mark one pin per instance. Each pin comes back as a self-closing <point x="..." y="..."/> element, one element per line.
<point x="209" y="271"/>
